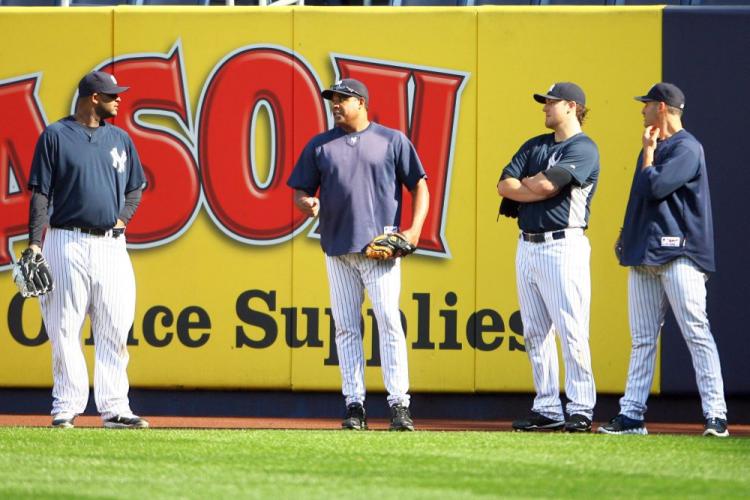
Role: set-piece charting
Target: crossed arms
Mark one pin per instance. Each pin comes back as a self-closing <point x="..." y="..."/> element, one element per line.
<point x="528" y="189"/>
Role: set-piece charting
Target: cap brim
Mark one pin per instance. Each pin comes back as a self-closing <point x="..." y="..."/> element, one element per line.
<point x="112" y="90"/>
<point x="643" y="98"/>
<point x="542" y="98"/>
<point x="328" y="94"/>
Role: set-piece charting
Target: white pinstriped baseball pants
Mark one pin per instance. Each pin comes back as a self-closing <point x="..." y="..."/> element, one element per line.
<point x="682" y="285"/>
<point x="348" y="277"/>
<point x="92" y="275"/>
<point x="554" y="292"/>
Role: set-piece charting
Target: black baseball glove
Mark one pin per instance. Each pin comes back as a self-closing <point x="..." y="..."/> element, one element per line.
<point x="389" y="246"/>
<point x="508" y="208"/>
<point x="31" y="274"/>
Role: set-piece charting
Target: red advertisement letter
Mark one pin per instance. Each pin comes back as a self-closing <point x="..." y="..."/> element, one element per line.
<point x="21" y="122"/>
<point x="171" y="197"/>
<point x="433" y="120"/>
<point x="243" y="81"/>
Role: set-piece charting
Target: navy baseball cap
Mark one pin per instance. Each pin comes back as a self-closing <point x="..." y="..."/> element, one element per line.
<point x="347" y="86"/>
<point x="668" y="93"/>
<point x="565" y="91"/>
<point x="99" y="82"/>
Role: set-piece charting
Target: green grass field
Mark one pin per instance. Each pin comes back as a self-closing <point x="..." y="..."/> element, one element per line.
<point x="99" y="463"/>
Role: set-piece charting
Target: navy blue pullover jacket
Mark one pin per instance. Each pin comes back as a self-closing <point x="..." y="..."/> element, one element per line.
<point x="669" y="210"/>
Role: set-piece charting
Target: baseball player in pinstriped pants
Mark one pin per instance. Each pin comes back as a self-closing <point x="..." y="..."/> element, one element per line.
<point x="360" y="167"/>
<point x="667" y="241"/>
<point x="87" y="178"/>
<point x="548" y="185"/>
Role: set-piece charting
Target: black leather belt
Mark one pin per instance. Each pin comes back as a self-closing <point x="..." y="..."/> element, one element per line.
<point x="540" y="237"/>
<point x="115" y="232"/>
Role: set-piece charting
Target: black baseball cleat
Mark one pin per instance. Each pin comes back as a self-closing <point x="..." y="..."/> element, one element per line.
<point x="401" y="418"/>
<point x="355" y="418"/>
<point x="623" y="425"/>
<point x="63" y="422"/>
<point x="537" y="422"/>
<point x="716" y="427"/>
<point x="122" y="422"/>
<point x="578" y="423"/>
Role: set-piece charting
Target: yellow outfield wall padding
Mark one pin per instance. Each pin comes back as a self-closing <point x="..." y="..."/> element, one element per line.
<point x="232" y="288"/>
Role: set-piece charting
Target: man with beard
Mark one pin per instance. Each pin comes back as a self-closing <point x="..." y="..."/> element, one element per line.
<point x="86" y="182"/>
<point x="548" y="185"/>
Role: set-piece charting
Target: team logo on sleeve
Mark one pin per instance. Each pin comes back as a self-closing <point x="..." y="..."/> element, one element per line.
<point x="118" y="160"/>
